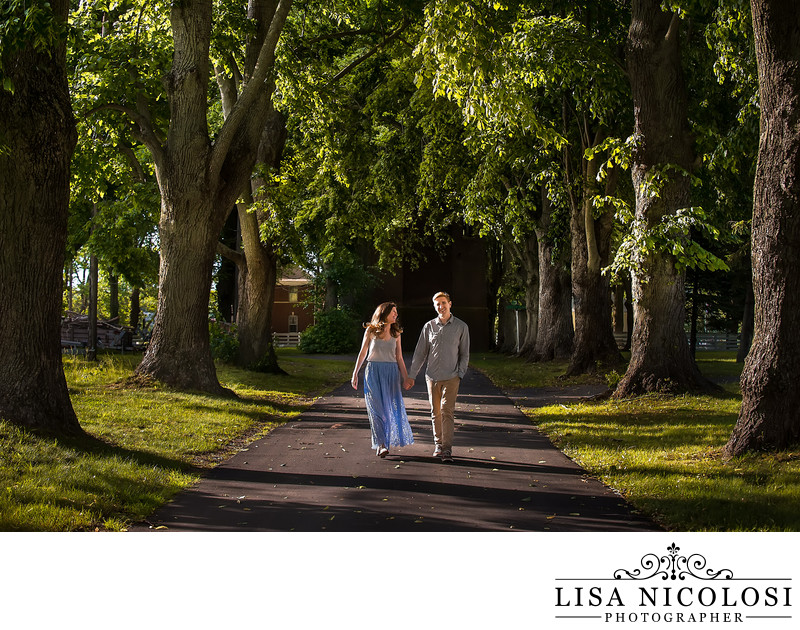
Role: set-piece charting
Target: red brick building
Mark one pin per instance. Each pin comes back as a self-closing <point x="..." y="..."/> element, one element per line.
<point x="290" y="316"/>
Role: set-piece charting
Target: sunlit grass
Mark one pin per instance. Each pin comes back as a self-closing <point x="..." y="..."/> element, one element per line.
<point x="511" y="372"/>
<point x="145" y="444"/>
<point x="664" y="454"/>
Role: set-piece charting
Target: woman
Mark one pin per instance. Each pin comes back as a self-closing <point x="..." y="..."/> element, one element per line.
<point x="383" y="379"/>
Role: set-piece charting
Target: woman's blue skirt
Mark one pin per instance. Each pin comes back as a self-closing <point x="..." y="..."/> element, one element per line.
<point x="387" y="411"/>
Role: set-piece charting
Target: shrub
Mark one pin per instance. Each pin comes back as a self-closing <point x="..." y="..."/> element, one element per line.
<point x="335" y="332"/>
<point x="224" y="343"/>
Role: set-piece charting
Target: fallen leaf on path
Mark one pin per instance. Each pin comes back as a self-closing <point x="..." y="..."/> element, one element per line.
<point x="549" y="518"/>
<point x="574" y="514"/>
<point x="527" y="499"/>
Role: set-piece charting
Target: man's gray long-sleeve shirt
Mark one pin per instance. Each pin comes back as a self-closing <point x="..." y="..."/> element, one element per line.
<point x="446" y="348"/>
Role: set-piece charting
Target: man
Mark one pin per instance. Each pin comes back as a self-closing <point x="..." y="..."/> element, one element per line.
<point x="444" y="342"/>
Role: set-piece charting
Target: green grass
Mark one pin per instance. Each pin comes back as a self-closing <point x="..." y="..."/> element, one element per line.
<point x="145" y="444"/>
<point x="513" y="373"/>
<point x="664" y="454"/>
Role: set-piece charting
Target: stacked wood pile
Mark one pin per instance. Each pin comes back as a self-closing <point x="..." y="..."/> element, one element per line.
<point x="75" y="333"/>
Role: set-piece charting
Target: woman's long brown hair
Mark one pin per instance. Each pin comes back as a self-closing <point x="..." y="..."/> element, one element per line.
<point x="378" y="321"/>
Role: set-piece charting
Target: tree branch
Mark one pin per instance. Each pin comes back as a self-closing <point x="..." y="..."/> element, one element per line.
<point x="146" y="131"/>
<point x="674" y="26"/>
<point x="371" y="52"/>
<point x="230" y="254"/>
<point x="262" y="74"/>
<point x="133" y="161"/>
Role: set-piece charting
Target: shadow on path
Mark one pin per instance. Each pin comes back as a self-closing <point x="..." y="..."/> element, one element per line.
<point x="319" y="473"/>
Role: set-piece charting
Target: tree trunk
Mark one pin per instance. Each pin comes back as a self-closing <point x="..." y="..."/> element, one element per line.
<point x="595" y="344"/>
<point x="227" y="278"/>
<point x="259" y="273"/>
<point x="135" y="310"/>
<point x="91" y="349"/>
<point x="510" y="323"/>
<point x="660" y="358"/>
<point x="495" y="277"/>
<point x="113" y="296"/>
<point x="200" y="181"/>
<point x="179" y="353"/>
<point x="257" y="277"/>
<point x="769" y="416"/>
<point x="527" y="255"/>
<point x="37" y="132"/>
<point x="554" y="336"/>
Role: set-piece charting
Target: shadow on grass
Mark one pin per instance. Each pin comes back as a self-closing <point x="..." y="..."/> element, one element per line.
<point x="92" y="445"/>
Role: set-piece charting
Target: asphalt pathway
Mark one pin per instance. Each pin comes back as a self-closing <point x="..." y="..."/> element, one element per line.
<point x="319" y="473"/>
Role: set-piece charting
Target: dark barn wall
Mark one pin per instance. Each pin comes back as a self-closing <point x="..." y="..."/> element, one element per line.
<point x="461" y="272"/>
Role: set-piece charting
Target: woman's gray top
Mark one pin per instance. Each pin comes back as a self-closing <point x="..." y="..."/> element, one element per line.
<point x="382" y="350"/>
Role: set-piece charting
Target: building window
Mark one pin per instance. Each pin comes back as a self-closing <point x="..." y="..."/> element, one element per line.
<point x="293" y="323"/>
<point x="293" y="295"/>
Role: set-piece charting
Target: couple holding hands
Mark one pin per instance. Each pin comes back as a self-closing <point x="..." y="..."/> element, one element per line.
<point x="444" y="343"/>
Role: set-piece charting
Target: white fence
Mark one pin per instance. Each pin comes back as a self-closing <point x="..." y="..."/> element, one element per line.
<point x="286" y="340"/>
<point x="705" y="341"/>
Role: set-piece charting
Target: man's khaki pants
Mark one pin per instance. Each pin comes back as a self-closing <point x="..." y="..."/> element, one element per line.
<point x="442" y="396"/>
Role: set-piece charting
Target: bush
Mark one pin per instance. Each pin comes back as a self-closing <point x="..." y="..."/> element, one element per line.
<point x="224" y="343"/>
<point x="335" y="332"/>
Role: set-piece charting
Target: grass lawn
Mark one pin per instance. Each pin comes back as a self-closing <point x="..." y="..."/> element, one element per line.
<point x="664" y="454"/>
<point x="146" y="443"/>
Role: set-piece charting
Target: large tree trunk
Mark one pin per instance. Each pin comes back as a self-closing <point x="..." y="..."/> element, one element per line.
<point x="200" y="181"/>
<point x="257" y="291"/>
<point x="595" y="344"/>
<point x="660" y="358"/>
<point x="179" y="353"/>
<point x="554" y="336"/>
<point x="37" y="132"/>
<point x="770" y="414"/>
<point x="257" y="278"/>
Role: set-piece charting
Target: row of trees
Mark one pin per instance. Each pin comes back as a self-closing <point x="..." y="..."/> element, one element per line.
<point x="325" y="128"/>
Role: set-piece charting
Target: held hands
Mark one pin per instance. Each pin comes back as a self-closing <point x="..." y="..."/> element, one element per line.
<point x="408" y="383"/>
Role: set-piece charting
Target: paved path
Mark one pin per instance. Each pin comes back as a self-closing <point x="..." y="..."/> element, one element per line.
<point x="319" y="473"/>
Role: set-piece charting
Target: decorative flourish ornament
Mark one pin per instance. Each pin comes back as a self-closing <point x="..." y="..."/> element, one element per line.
<point x="673" y="567"/>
